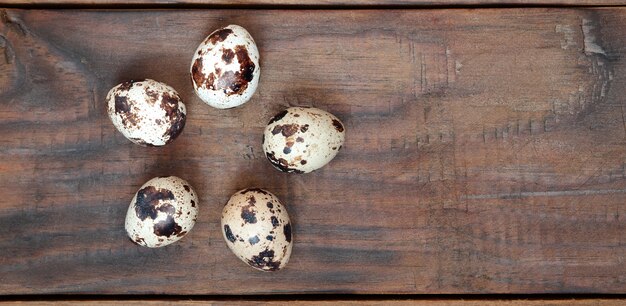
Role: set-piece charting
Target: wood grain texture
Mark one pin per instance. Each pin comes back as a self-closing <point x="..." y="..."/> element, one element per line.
<point x="485" y="151"/>
<point x="373" y="3"/>
<point x="391" y="302"/>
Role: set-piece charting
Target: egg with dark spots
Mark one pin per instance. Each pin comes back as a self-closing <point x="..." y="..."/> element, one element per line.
<point x="302" y="139"/>
<point x="256" y="228"/>
<point x="162" y="212"/>
<point x="225" y="68"/>
<point x="147" y="112"/>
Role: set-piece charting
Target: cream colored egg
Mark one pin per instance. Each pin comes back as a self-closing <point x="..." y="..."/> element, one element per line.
<point x="225" y="68"/>
<point x="301" y="139"/>
<point x="256" y="227"/>
<point x="147" y="112"/>
<point x="161" y="212"/>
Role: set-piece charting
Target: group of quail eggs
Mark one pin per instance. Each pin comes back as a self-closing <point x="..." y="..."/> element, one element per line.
<point x="225" y="73"/>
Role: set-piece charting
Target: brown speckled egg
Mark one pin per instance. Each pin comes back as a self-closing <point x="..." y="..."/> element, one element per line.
<point x="225" y="68"/>
<point x="163" y="210"/>
<point x="148" y="113"/>
<point x="257" y="229"/>
<point x="302" y="139"/>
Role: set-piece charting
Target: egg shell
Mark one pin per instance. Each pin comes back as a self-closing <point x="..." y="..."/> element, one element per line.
<point x="162" y="211"/>
<point x="301" y="139"/>
<point x="256" y="227"/>
<point x="225" y="68"/>
<point x="148" y="113"/>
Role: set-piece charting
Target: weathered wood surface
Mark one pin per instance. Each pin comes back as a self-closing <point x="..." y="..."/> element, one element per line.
<point x="485" y="151"/>
<point x="565" y="302"/>
<point x="318" y="2"/>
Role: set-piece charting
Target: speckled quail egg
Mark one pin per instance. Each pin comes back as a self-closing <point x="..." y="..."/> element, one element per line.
<point x="147" y="112"/>
<point x="257" y="229"/>
<point x="163" y="210"/>
<point x="301" y="139"/>
<point x="225" y="68"/>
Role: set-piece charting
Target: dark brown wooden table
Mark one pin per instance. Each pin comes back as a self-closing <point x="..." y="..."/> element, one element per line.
<point x="485" y="150"/>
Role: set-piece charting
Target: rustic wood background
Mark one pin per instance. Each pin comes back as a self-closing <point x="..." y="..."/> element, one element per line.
<point x="485" y="151"/>
<point x="301" y="3"/>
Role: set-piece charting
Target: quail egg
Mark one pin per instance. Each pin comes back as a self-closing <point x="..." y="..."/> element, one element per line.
<point x="257" y="229"/>
<point x="161" y="212"/>
<point x="147" y="112"/>
<point x="301" y="139"/>
<point x="225" y="68"/>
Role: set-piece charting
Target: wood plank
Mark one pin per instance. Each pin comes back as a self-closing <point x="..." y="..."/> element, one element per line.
<point x="318" y="2"/>
<point x="485" y="151"/>
<point x="446" y="302"/>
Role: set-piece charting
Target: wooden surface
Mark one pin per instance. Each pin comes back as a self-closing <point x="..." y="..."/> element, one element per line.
<point x="373" y="3"/>
<point x="485" y="151"/>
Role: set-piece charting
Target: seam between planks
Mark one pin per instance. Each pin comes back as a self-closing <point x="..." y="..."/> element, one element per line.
<point x="320" y="297"/>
